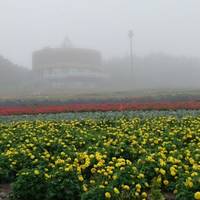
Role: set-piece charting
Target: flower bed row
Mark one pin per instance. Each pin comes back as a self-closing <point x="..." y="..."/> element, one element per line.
<point x="118" y="159"/>
<point x="112" y="98"/>
<point x="13" y="110"/>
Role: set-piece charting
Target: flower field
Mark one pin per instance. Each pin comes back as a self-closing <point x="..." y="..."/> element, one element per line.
<point x="106" y="106"/>
<point x="121" y="158"/>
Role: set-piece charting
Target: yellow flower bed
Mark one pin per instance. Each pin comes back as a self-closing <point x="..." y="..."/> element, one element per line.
<point x="101" y="159"/>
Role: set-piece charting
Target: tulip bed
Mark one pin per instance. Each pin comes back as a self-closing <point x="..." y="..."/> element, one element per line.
<point x="103" y="158"/>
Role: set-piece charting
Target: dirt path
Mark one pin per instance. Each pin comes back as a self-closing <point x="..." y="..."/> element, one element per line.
<point x="4" y="191"/>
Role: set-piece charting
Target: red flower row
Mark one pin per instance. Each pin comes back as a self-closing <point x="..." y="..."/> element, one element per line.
<point x="13" y="110"/>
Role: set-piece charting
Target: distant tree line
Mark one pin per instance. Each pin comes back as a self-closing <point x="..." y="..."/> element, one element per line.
<point x="13" y="78"/>
<point x="156" y="71"/>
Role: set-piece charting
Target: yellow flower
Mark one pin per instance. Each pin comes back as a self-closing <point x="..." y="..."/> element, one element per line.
<point x="116" y="190"/>
<point x="14" y="163"/>
<point x="144" y="195"/>
<point x="126" y="187"/>
<point x="166" y="182"/>
<point x="91" y="156"/>
<point x="194" y="174"/>
<point x="80" y="178"/>
<point x="47" y="176"/>
<point x="173" y="171"/>
<point x="85" y="188"/>
<point x="175" y="191"/>
<point x="93" y="170"/>
<point x="67" y="169"/>
<point x="92" y="181"/>
<point x="105" y="174"/>
<point x="156" y="169"/>
<point x="108" y="195"/>
<point x="62" y="153"/>
<point x="162" y="171"/>
<point x="197" y="195"/>
<point x="162" y="162"/>
<point x="138" y="186"/>
<point x="36" y="172"/>
<point x="114" y="177"/>
<point x="137" y="194"/>
<point x="189" y="182"/>
<point x="140" y="175"/>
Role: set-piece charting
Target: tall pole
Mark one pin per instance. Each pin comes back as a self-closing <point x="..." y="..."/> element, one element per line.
<point x="130" y="35"/>
<point x="132" y="76"/>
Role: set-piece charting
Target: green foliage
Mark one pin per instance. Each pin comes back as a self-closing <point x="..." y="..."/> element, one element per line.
<point x="29" y="186"/>
<point x="156" y="193"/>
<point x="62" y="187"/>
<point x="36" y="187"/>
<point x="94" y="194"/>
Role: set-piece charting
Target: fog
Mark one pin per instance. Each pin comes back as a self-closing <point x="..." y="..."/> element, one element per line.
<point x="166" y="45"/>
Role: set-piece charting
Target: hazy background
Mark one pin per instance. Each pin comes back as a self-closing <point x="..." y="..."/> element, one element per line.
<point x="170" y="26"/>
<point x="166" y="38"/>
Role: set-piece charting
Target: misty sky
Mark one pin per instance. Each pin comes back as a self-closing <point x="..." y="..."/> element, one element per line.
<point x="169" y="26"/>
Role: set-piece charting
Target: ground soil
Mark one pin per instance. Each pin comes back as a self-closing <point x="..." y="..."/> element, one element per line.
<point x="5" y="189"/>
